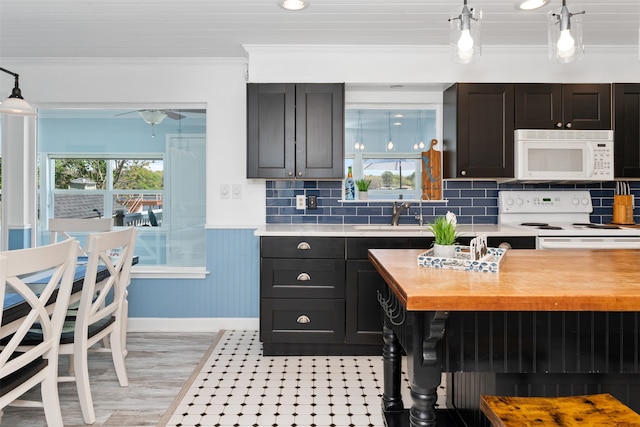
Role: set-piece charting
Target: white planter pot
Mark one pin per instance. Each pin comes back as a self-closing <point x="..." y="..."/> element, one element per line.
<point x="363" y="195"/>
<point x="444" y="251"/>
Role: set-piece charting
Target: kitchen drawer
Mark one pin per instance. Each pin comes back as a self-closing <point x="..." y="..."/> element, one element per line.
<point x="302" y="247"/>
<point x="302" y="278"/>
<point x="302" y="320"/>
<point x="516" y="242"/>
<point x="358" y="247"/>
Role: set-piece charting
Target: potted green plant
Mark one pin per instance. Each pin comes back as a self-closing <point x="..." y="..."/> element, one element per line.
<point x="444" y="229"/>
<point x="363" y="188"/>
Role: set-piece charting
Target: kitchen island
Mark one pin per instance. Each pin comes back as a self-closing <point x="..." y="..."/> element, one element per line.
<point x="549" y="323"/>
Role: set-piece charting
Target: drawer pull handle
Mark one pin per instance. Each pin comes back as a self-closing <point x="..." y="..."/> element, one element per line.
<point x="303" y="246"/>
<point x="303" y="319"/>
<point x="303" y="277"/>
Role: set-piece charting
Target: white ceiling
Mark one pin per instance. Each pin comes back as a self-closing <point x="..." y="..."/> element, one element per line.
<point x="219" y="28"/>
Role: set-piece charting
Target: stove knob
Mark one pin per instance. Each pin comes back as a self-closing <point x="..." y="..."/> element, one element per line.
<point x="519" y="202"/>
<point x="509" y="201"/>
<point x="575" y="201"/>
<point x="585" y="201"/>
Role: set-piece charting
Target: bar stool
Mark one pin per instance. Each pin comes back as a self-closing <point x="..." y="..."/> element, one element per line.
<point x="574" y="411"/>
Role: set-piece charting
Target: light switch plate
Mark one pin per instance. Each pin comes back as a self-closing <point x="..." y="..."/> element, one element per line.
<point x="236" y="191"/>
<point x="300" y="202"/>
<point x="225" y="191"/>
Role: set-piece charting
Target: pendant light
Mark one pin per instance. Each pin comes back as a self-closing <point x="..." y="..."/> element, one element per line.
<point x="419" y="144"/>
<point x="464" y="30"/>
<point x="565" y="35"/>
<point x="358" y="145"/>
<point x="390" y="145"/>
<point x="15" y="103"/>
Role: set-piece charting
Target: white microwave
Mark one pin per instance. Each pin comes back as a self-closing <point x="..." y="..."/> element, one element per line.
<point x="563" y="155"/>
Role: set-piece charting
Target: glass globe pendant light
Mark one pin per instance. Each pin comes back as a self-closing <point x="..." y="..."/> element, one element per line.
<point x="565" y="35"/>
<point x="465" y="35"/>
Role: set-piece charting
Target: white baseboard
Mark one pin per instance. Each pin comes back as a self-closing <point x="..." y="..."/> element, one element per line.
<point x="207" y="324"/>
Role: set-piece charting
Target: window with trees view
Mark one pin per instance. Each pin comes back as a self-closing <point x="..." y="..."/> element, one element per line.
<point x="111" y="163"/>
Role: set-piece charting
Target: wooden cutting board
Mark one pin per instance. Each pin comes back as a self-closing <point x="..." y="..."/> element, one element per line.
<point x="432" y="173"/>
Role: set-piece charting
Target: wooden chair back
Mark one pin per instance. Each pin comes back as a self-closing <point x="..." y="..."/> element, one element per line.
<point x="21" y="369"/>
<point x="60" y="228"/>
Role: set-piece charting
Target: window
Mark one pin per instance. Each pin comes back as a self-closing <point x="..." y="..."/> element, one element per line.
<point x="384" y="143"/>
<point x="113" y="163"/>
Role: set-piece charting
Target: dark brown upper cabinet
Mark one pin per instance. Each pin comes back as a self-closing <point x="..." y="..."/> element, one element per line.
<point x="563" y="106"/>
<point x="626" y="113"/>
<point x="478" y="125"/>
<point x="295" y="130"/>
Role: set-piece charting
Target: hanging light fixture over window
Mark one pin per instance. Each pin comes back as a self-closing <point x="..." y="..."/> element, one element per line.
<point x="465" y="35"/>
<point x="565" y="35"/>
<point x="15" y="103"/>
<point x="293" y="4"/>
<point x="390" y="145"/>
<point x="419" y="144"/>
<point x="358" y="145"/>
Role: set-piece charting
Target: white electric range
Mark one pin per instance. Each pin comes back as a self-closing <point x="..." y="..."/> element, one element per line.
<point x="561" y="220"/>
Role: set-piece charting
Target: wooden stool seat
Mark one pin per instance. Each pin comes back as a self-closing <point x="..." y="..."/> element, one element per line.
<point x="591" y="410"/>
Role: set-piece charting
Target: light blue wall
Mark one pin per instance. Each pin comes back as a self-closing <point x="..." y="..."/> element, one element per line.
<point x="231" y="289"/>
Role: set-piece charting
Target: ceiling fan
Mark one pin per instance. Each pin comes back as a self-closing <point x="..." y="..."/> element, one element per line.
<point x="155" y="116"/>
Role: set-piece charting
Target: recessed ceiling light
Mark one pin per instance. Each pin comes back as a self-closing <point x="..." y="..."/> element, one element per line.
<point x="398" y="116"/>
<point x="397" y="123"/>
<point x="293" y="4"/>
<point x="531" y="4"/>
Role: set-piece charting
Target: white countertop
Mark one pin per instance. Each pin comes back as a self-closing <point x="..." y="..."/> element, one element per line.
<point x="371" y="230"/>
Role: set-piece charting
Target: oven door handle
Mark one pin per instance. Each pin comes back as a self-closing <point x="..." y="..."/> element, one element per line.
<point x="589" y="244"/>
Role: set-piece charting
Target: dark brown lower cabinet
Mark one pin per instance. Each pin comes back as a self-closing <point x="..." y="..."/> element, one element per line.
<point x="319" y="295"/>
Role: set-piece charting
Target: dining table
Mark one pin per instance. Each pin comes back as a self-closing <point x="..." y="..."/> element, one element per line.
<point x="14" y="307"/>
<point x="546" y="323"/>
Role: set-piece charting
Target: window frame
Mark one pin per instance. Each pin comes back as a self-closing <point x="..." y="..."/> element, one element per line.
<point x="350" y="158"/>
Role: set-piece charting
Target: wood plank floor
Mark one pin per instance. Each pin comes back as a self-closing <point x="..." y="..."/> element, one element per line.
<point x="158" y="364"/>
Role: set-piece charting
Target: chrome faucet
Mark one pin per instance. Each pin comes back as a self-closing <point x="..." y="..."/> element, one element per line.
<point x="418" y="217"/>
<point x="397" y="210"/>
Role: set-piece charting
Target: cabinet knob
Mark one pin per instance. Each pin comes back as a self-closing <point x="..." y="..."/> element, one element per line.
<point x="463" y="173"/>
<point x="290" y="173"/>
<point x="303" y="319"/>
<point x="559" y="125"/>
<point x="303" y="246"/>
<point x="568" y="126"/>
<point x="303" y="277"/>
<point x="505" y="245"/>
<point x="299" y="173"/>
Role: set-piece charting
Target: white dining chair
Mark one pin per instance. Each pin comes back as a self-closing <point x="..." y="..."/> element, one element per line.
<point x="62" y="228"/>
<point x="21" y="369"/>
<point x="101" y="313"/>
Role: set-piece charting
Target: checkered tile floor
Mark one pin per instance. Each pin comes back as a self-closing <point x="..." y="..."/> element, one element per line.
<point x="238" y="387"/>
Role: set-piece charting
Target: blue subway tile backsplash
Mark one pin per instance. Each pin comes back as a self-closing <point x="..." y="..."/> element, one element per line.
<point x="473" y="202"/>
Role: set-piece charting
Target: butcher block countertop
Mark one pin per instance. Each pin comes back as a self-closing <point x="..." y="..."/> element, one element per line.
<point x="528" y="280"/>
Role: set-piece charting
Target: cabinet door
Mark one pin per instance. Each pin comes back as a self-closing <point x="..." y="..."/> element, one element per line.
<point x="364" y="314"/>
<point x="538" y="106"/>
<point x="586" y="106"/>
<point x="481" y="146"/>
<point x="271" y="130"/>
<point x="319" y="131"/>
<point x="627" y="130"/>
